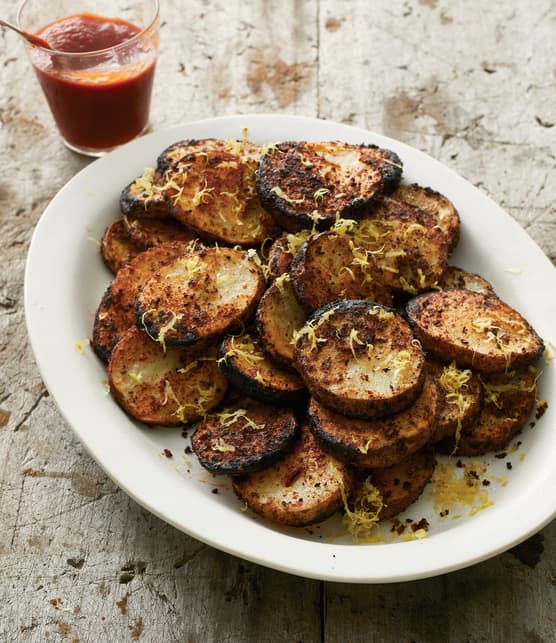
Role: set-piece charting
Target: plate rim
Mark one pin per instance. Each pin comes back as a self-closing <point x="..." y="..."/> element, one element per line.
<point x="336" y="559"/>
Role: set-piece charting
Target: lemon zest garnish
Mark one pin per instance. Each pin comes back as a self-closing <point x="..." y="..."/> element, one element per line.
<point x="354" y="337"/>
<point x="295" y="241"/>
<point x="454" y="382"/>
<point x="222" y="447"/>
<point x="227" y="418"/>
<point x="81" y="343"/>
<point x="406" y="286"/>
<point x="320" y="194"/>
<point x="447" y="488"/>
<point x="242" y="346"/>
<point x="362" y="519"/>
<point x="277" y="190"/>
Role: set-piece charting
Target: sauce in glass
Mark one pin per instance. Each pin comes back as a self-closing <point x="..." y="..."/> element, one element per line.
<point x="98" y="100"/>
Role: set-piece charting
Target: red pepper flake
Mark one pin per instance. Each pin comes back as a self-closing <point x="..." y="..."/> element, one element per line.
<point x="509" y="465"/>
<point x="541" y="409"/>
<point x="501" y="455"/>
<point x="486" y="482"/>
<point x="184" y="433"/>
<point x="459" y="464"/>
<point x="188" y="450"/>
<point x="215" y="490"/>
<point x="168" y="453"/>
<point x="422" y="524"/>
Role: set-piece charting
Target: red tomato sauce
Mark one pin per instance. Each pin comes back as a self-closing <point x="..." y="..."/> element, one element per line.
<point x="96" y="108"/>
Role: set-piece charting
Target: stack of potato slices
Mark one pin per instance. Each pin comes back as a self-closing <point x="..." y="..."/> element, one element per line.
<point x="295" y="303"/>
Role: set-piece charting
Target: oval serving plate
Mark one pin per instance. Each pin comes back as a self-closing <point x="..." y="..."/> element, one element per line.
<point x="65" y="278"/>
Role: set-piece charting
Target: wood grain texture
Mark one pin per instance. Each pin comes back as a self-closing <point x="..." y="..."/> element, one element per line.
<point x="469" y="83"/>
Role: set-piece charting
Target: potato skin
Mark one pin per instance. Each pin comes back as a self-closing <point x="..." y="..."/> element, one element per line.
<point x="117" y="247"/>
<point x="376" y="443"/>
<point x="300" y="169"/>
<point x="504" y="414"/>
<point x="302" y="488"/>
<point x="341" y="375"/>
<point x="253" y="448"/>
<point x="477" y="331"/>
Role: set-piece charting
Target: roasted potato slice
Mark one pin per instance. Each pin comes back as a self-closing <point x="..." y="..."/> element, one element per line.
<point x="398" y="486"/>
<point x="460" y="400"/>
<point x="150" y="232"/>
<point x="477" y="331"/>
<point x="200" y="295"/>
<point x="454" y="277"/>
<point x="304" y="487"/>
<point x="302" y="184"/>
<point x="377" y="443"/>
<point x="116" y="311"/>
<point x="172" y="386"/>
<point x="144" y="197"/>
<point x="509" y="399"/>
<point x="435" y="204"/>
<point x="242" y="360"/>
<point x="279" y="316"/>
<point x="406" y="243"/>
<point x="243" y="438"/>
<point x="329" y="267"/>
<point x="360" y="359"/>
<point x="117" y="247"/>
<point x="211" y="189"/>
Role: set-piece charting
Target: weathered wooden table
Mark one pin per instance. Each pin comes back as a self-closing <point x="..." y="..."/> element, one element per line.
<point x="471" y="83"/>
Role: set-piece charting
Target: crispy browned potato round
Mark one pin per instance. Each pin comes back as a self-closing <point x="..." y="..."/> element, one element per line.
<point x="242" y="360"/>
<point x="458" y="278"/>
<point x="243" y="438"/>
<point x="406" y="244"/>
<point x="279" y="316"/>
<point x="509" y="399"/>
<point x="377" y="443"/>
<point x="302" y="488"/>
<point x="151" y="232"/>
<point x="144" y="196"/>
<point x="329" y="267"/>
<point x="116" y="311"/>
<point x="117" y="247"/>
<point x="435" y="204"/>
<point x="399" y="485"/>
<point x="210" y="187"/>
<point x="171" y="386"/>
<point x="460" y="400"/>
<point x="200" y="295"/>
<point x="302" y="184"/>
<point x="359" y="358"/>
<point x="477" y="331"/>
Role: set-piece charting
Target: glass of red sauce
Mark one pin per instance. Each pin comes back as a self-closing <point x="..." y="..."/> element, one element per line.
<point x="98" y="75"/>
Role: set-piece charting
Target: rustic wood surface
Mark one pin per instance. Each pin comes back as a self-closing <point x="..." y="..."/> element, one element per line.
<point x="471" y="83"/>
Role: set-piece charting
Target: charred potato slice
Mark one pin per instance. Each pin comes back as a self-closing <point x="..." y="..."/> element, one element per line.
<point x="172" y="386"/>
<point x="200" y="295"/>
<point x="179" y="152"/>
<point x="329" y="267"/>
<point x="398" y="486"/>
<point x="279" y="316"/>
<point x="462" y="280"/>
<point x="377" y="443"/>
<point x="243" y="438"/>
<point x="144" y="196"/>
<point x="116" y="311"/>
<point x="406" y="243"/>
<point x="435" y="204"/>
<point x="213" y="192"/>
<point x="304" y="487"/>
<point x="460" y="399"/>
<point x="360" y="359"/>
<point x="509" y="399"/>
<point x="279" y="258"/>
<point x="477" y="331"/>
<point x="302" y="183"/>
<point x="242" y="360"/>
<point x="151" y="232"/>
<point x="117" y="247"/>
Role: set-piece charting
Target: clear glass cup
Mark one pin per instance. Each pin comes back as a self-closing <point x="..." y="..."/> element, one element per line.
<point x="99" y="99"/>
